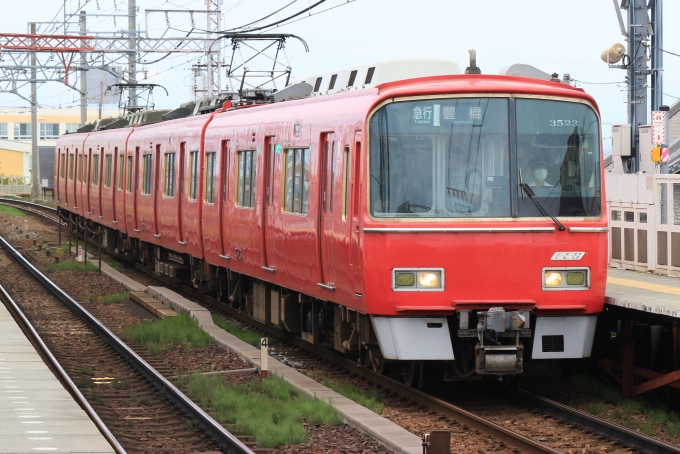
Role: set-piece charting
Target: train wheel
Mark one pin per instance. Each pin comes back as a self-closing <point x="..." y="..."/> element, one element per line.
<point x="412" y="373"/>
<point x="378" y="363"/>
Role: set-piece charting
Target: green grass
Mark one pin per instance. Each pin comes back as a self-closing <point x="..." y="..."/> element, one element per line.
<point x="11" y="211"/>
<point x="158" y="335"/>
<point x="269" y="410"/>
<point x="69" y="265"/>
<point x="114" y="298"/>
<point x="248" y="337"/>
<point x="372" y="400"/>
<point x="596" y="409"/>
<point x="115" y="265"/>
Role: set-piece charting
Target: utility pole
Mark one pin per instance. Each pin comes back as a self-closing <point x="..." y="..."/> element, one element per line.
<point x="35" y="159"/>
<point x="213" y="47"/>
<point x="639" y="29"/>
<point x="83" y="73"/>
<point x="657" y="54"/>
<point x="132" y="55"/>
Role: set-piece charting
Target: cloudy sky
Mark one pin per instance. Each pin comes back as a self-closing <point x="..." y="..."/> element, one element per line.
<point x="555" y="36"/>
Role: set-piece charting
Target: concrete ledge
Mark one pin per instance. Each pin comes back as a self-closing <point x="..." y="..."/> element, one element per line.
<point x="644" y="307"/>
<point x="393" y="437"/>
<point x="122" y="279"/>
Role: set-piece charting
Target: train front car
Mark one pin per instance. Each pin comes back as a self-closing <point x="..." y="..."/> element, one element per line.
<point x="484" y="241"/>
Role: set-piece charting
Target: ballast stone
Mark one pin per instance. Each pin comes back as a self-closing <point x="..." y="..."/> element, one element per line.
<point x="393" y="437"/>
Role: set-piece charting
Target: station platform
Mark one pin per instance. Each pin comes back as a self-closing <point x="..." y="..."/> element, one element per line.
<point x="36" y="413"/>
<point x="645" y="292"/>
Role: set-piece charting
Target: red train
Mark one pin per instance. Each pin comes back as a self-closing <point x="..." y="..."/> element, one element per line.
<point x="455" y="217"/>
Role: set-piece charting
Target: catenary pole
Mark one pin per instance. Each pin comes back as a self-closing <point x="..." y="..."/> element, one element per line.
<point x="83" y="73"/>
<point x="35" y="159"/>
<point x="132" y="55"/>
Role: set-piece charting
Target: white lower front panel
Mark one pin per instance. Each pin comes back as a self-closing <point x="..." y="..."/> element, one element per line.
<point x="564" y="337"/>
<point x="413" y="338"/>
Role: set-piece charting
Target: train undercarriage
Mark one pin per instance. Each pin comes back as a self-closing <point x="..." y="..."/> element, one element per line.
<point x="486" y="342"/>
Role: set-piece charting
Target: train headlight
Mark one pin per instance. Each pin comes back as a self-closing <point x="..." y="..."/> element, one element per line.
<point x="552" y="279"/>
<point x="418" y="279"/>
<point x="566" y="278"/>
<point x="428" y="280"/>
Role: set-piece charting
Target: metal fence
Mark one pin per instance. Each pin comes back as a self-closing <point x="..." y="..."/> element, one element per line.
<point x="12" y="184"/>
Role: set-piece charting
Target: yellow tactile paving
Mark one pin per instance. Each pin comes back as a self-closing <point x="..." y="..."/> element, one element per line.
<point x="644" y="285"/>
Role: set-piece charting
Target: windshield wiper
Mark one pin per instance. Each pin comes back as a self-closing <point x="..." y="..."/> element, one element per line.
<point x="540" y="206"/>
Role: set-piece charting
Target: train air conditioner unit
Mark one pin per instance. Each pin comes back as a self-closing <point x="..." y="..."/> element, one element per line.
<point x="376" y="73"/>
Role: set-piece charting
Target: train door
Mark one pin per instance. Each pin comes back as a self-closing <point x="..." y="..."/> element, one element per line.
<point x="224" y="191"/>
<point x="182" y="172"/>
<point x="100" y="181"/>
<point x="72" y="177"/>
<point x="326" y="202"/>
<point x="355" y="247"/>
<point x="158" y="190"/>
<point x="135" y="189"/>
<point x="117" y="164"/>
<point x="268" y="205"/>
<point x="89" y="180"/>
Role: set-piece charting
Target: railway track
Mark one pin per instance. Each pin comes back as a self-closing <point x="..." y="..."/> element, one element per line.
<point x="621" y="437"/>
<point x="143" y="410"/>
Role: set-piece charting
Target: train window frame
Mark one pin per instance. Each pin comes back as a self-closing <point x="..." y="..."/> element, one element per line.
<point x="62" y="170"/>
<point x="345" y="183"/>
<point x="108" y="170"/>
<point x="209" y="177"/>
<point x="83" y="169"/>
<point x="290" y="206"/>
<point x="130" y="173"/>
<point x="121" y="170"/>
<point x="169" y="183"/>
<point x="95" y="169"/>
<point x="246" y="175"/>
<point x="193" y="175"/>
<point x="147" y="170"/>
<point x="71" y="165"/>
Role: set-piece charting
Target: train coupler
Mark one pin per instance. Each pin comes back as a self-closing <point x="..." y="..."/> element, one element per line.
<point x="499" y="360"/>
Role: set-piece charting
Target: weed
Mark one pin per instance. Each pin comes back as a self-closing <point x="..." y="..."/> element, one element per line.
<point x="190" y="424"/>
<point x="657" y="415"/>
<point x="69" y="265"/>
<point x="145" y="401"/>
<point x="596" y="409"/>
<point x="85" y="382"/>
<point x="121" y="383"/>
<point x="617" y="414"/>
<point x="248" y="337"/>
<point x="11" y="211"/>
<point x="98" y="399"/>
<point x="133" y="396"/>
<point x="270" y="410"/>
<point x="115" y="265"/>
<point x="86" y="370"/>
<point x="115" y="298"/>
<point x="649" y="428"/>
<point x="159" y="334"/>
<point x="93" y="299"/>
<point x="370" y="399"/>
<point x="673" y="429"/>
<point x="629" y="406"/>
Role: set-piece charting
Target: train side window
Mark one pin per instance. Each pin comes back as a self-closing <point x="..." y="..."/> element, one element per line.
<point x="169" y="186"/>
<point x="333" y="166"/>
<point x="83" y="169"/>
<point x="209" y="183"/>
<point x="246" y="168"/>
<point x="296" y="178"/>
<point x="332" y="82"/>
<point x="345" y="183"/>
<point x="146" y="173"/>
<point x="352" y="78"/>
<point x="193" y="175"/>
<point x="108" y="169"/>
<point x="80" y="171"/>
<point x="121" y="173"/>
<point x="317" y="84"/>
<point x="95" y="170"/>
<point x="369" y="75"/>
<point x="130" y="171"/>
<point x="70" y="166"/>
<point x="63" y="166"/>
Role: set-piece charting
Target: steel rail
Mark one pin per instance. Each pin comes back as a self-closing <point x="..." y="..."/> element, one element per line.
<point x="61" y="373"/>
<point x="29" y="207"/>
<point x="205" y="421"/>
<point x="613" y="431"/>
<point x="608" y="429"/>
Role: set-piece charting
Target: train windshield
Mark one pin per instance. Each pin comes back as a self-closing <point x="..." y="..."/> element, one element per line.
<point x="452" y="158"/>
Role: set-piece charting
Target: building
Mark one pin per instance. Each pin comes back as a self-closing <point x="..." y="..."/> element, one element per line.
<point x="15" y="137"/>
<point x="674" y="138"/>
